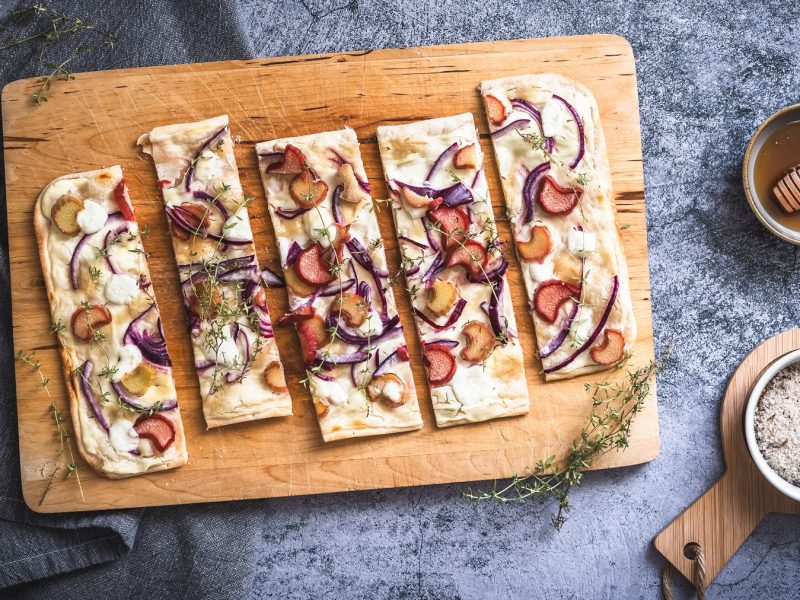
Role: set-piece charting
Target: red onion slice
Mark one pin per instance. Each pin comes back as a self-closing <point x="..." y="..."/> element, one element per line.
<point x="439" y="162"/>
<point x="451" y="320"/>
<point x="336" y="287"/>
<point x="212" y="201"/>
<point x="294" y="251"/>
<point x="506" y="129"/>
<point x="531" y="188"/>
<point x="286" y="213"/>
<point x="86" y="372"/>
<point x="243" y="343"/>
<point x="272" y="279"/>
<point x="190" y="171"/>
<point x="555" y="343"/>
<point x="581" y="137"/>
<point x="525" y="106"/>
<point x="158" y="406"/>
<point x="600" y="324"/>
<point x="408" y="240"/>
<point x="336" y="207"/>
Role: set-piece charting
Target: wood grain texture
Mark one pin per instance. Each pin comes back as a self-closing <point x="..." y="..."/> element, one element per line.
<point x="722" y="518"/>
<point x="94" y="121"/>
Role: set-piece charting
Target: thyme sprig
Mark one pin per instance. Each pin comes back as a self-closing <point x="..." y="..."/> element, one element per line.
<point x="614" y="407"/>
<point x="35" y="365"/>
<point x="49" y="27"/>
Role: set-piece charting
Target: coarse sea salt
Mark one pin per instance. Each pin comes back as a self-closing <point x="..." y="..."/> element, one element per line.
<point x="777" y="424"/>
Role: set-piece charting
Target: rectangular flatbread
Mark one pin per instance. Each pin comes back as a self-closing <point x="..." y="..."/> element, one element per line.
<point x="341" y="300"/>
<point x="122" y="396"/>
<point x="236" y="358"/>
<point x="454" y="269"/>
<point x="551" y="154"/>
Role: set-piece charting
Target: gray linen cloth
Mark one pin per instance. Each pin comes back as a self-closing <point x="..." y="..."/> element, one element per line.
<point x="186" y="552"/>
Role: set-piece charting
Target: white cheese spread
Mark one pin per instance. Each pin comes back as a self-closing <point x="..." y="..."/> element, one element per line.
<point x="237" y="227"/>
<point x="319" y="230"/>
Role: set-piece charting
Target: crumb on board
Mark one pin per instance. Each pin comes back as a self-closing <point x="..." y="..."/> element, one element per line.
<point x="777" y="424"/>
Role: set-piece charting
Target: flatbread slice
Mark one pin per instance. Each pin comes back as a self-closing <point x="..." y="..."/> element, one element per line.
<point x="342" y="303"/>
<point x="454" y="269"/>
<point x="236" y="358"/>
<point x="122" y="396"/>
<point x="551" y="153"/>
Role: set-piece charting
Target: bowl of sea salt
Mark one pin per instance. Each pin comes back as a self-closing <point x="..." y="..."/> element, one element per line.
<point x="772" y="424"/>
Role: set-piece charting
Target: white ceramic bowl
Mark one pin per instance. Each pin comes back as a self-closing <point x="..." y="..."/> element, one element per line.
<point x="749" y="424"/>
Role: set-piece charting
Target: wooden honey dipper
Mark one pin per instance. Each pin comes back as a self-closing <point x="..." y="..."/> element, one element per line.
<point x="787" y="190"/>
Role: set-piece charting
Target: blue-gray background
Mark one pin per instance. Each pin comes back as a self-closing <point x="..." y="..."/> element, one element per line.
<point x="709" y="72"/>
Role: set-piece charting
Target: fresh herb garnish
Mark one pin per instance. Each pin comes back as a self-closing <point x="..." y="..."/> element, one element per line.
<point x="50" y="26"/>
<point x="614" y="406"/>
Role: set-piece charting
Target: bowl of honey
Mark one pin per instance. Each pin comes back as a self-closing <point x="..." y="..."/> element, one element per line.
<point x="771" y="184"/>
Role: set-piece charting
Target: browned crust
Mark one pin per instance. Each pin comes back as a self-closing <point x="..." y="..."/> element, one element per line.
<point x="40" y="225"/>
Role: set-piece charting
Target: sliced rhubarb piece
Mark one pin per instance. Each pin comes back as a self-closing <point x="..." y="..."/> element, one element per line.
<point x="496" y="109"/>
<point x="452" y="221"/>
<point x="378" y="392"/>
<point x="441" y="297"/>
<point x="306" y="192"/>
<point x="441" y="364"/>
<point x="312" y="267"/>
<point x="141" y="379"/>
<point x="352" y="307"/>
<point x="298" y="314"/>
<point x="611" y="350"/>
<point x="314" y="335"/>
<point x="195" y="215"/>
<point x="416" y="200"/>
<point x="480" y="342"/>
<point x="321" y="406"/>
<point x="294" y="161"/>
<point x="65" y="214"/>
<point x="466" y="157"/>
<point x="123" y="200"/>
<point x="351" y="188"/>
<point x="471" y="255"/>
<point x="557" y="200"/>
<point x="88" y="319"/>
<point x="538" y="246"/>
<point x="157" y="428"/>
<point x="204" y="299"/>
<point x="274" y="377"/>
<point x="297" y="285"/>
<point x="402" y="352"/>
<point x="549" y="297"/>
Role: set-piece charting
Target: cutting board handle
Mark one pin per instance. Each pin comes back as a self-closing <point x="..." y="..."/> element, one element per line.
<point x="718" y="522"/>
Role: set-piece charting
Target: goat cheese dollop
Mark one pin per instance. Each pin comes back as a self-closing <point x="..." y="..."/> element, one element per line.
<point x="553" y="117"/>
<point x="121" y="288"/>
<point x="92" y="218"/>
<point x="330" y="390"/>
<point x="123" y="436"/>
<point x="130" y="357"/>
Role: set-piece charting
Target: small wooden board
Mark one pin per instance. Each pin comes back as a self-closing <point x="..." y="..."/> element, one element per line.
<point x="723" y="518"/>
<point x="95" y="120"/>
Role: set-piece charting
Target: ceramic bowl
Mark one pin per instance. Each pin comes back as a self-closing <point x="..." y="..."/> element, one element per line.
<point x="776" y="121"/>
<point x="749" y="424"/>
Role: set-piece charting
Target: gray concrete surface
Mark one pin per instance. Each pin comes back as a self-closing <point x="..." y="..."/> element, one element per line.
<point x="709" y="72"/>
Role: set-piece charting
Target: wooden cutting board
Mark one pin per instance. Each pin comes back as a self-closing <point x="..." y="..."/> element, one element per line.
<point x="94" y="121"/>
